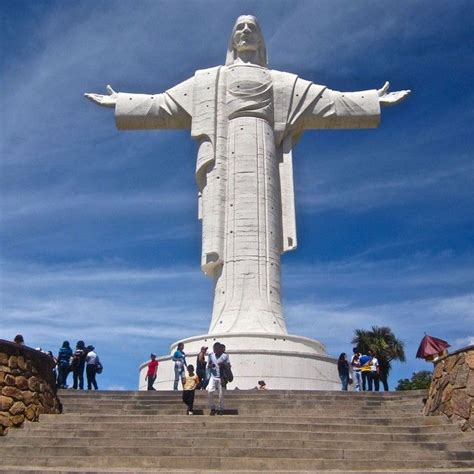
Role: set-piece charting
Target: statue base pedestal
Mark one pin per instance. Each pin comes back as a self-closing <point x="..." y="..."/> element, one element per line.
<point x="285" y="362"/>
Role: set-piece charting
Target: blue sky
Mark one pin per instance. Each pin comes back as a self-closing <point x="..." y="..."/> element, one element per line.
<point x="99" y="233"/>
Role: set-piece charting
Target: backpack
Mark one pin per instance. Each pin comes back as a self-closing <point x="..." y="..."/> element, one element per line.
<point x="226" y="373"/>
<point x="98" y="367"/>
<point x="76" y="358"/>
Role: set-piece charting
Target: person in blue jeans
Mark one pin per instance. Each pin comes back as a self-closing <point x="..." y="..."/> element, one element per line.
<point x="343" y="369"/>
<point x="64" y="359"/>
<point x="179" y="359"/>
<point x="355" y="363"/>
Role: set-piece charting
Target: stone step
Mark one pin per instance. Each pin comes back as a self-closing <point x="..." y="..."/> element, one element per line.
<point x="203" y="421"/>
<point x="266" y="399"/>
<point x="262" y="427"/>
<point x="393" y="393"/>
<point x="253" y="452"/>
<point x="86" y="398"/>
<point x="16" y="470"/>
<point x="89" y="404"/>
<point x="363" y="397"/>
<point x="20" y="470"/>
<point x="199" y="411"/>
<point x="255" y="434"/>
<point x="235" y="401"/>
<point x="263" y="402"/>
<point x="184" y="442"/>
<point x="53" y="470"/>
<point x="231" y="463"/>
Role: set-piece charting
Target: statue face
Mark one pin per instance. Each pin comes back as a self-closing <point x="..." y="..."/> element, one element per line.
<point x="246" y="36"/>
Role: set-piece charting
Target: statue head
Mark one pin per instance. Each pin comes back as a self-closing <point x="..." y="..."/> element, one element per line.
<point x="247" y="38"/>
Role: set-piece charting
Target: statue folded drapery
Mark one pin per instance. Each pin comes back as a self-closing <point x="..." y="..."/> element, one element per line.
<point x="246" y="119"/>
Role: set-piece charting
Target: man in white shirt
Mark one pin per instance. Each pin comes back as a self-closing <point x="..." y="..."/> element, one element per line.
<point x="216" y="359"/>
<point x="92" y="359"/>
<point x="374" y="371"/>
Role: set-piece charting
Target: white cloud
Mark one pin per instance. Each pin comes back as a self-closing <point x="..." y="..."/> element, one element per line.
<point x="464" y="341"/>
<point x="325" y="193"/>
<point x="122" y="301"/>
<point x="364" y="277"/>
<point x="43" y="203"/>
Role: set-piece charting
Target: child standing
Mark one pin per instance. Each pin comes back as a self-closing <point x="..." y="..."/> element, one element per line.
<point x="190" y="382"/>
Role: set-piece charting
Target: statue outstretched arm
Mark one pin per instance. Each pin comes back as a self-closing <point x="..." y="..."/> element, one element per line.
<point x="361" y="109"/>
<point x="391" y="98"/>
<point x="103" y="100"/>
<point x="143" y="111"/>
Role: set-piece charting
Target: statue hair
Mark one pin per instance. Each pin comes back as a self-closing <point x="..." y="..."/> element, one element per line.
<point x="262" y="59"/>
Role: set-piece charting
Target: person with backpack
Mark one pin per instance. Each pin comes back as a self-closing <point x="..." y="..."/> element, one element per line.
<point x="216" y="360"/>
<point x="64" y="361"/>
<point x="78" y="364"/>
<point x="226" y="372"/>
<point x="93" y="367"/>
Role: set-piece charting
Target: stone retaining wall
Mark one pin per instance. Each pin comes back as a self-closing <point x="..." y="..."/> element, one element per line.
<point x="452" y="389"/>
<point x="27" y="385"/>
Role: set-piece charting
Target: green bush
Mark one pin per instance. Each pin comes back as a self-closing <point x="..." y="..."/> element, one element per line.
<point x="419" y="380"/>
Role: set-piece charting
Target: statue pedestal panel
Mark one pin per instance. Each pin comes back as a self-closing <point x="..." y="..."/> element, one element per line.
<point x="285" y="362"/>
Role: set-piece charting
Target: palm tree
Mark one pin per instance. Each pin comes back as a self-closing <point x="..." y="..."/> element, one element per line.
<point x="384" y="343"/>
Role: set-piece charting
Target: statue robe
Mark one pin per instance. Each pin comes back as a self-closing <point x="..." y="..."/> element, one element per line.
<point x="246" y="120"/>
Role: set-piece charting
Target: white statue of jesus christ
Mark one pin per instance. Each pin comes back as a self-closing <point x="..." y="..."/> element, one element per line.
<point x="246" y="119"/>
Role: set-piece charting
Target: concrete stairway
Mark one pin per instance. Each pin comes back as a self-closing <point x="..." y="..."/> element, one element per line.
<point x="275" y="431"/>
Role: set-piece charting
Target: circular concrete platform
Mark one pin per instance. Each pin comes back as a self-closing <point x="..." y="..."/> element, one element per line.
<point x="285" y="362"/>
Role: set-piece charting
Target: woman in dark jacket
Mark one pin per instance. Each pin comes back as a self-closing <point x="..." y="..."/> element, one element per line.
<point x="78" y="364"/>
<point x="64" y="360"/>
<point x="343" y="369"/>
<point x="201" y="366"/>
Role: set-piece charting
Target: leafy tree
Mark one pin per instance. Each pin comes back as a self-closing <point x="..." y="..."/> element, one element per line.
<point x="419" y="380"/>
<point x="384" y="343"/>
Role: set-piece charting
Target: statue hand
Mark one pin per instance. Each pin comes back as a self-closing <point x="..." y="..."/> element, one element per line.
<point x="391" y="98"/>
<point x="104" y="100"/>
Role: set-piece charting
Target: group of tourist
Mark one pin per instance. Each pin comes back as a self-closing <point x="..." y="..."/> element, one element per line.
<point x="366" y="370"/>
<point x="75" y="361"/>
<point x="212" y="373"/>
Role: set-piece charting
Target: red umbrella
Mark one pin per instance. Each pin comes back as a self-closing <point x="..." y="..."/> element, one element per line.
<point x="430" y="346"/>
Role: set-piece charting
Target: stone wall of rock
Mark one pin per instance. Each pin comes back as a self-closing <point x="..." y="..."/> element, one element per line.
<point x="27" y="385"/>
<point x="452" y="389"/>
